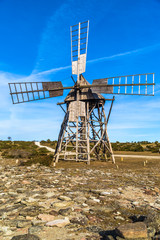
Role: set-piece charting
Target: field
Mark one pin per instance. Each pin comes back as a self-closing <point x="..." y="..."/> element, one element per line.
<point x="91" y="200"/>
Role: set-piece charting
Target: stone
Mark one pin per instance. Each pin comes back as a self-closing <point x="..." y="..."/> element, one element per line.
<point x="108" y="209"/>
<point x="79" y="220"/>
<point x="157" y="237"/>
<point x="65" y="212"/>
<point x="80" y="199"/>
<point x="96" y="200"/>
<point x="105" y="193"/>
<point x="6" y="230"/>
<point x="46" y="217"/>
<point x="53" y="212"/>
<point x="26" y="237"/>
<point x="153" y="220"/>
<point x="37" y="222"/>
<point x="119" y="218"/>
<point x="23" y="224"/>
<point x="151" y="231"/>
<point x="62" y="204"/>
<point x="50" y="194"/>
<point x="64" y="198"/>
<point x="35" y="229"/>
<point x="26" y="182"/>
<point x="132" y="230"/>
<point x="58" y="223"/>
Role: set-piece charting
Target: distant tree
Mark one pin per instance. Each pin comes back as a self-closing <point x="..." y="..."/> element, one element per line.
<point x="9" y="139"/>
<point x="156" y="142"/>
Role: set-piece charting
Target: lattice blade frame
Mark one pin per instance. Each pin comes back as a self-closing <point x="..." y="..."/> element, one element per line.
<point x="79" y="43"/>
<point x="32" y="91"/>
<point x="137" y="84"/>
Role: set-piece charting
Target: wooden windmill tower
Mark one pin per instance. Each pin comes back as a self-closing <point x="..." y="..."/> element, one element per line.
<point x="83" y="135"/>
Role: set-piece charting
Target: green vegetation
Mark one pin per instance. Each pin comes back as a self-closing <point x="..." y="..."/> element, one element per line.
<point x="27" y="152"/>
<point x="143" y="146"/>
<point x="49" y="143"/>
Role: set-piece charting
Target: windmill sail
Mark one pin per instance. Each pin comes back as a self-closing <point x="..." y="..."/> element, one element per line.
<point x="79" y="42"/>
<point x="31" y="91"/>
<point x="100" y="89"/>
<point x="138" y="84"/>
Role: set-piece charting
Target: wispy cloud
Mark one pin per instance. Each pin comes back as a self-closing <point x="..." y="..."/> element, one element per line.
<point x="102" y="59"/>
<point x="53" y="70"/>
<point x="123" y="54"/>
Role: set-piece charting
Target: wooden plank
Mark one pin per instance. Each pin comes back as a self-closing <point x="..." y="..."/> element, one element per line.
<point x="103" y="89"/>
<point x="49" y="86"/>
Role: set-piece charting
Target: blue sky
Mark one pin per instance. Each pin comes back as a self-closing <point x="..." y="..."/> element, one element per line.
<point x="124" y="38"/>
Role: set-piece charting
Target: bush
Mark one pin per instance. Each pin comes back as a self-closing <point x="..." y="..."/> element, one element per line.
<point x="45" y="160"/>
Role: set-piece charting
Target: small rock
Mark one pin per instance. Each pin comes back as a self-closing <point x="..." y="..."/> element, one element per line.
<point x="105" y="193"/>
<point x="58" y="223"/>
<point x="65" y="212"/>
<point x="46" y="217"/>
<point x="94" y="229"/>
<point x="23" y="224"/>
<point x="36" y="222"/>
<point x="135" y="203"/>
<point x="62" y="204"/>
<point x="35" y="229"/>
<point x="64" y="198"/>
<point x="151" y="231"/>
<point x="132" y="230"/>
<point x="26" y="182"/>
<point x="53" y="212"/>
<point x="6" y="230"/>
<point x="50" y="194"/>
<point x="26" y="237"/>
<point x="96" y="200"/>
<point x="79" y="220"/>
<point x="119" y="218"/>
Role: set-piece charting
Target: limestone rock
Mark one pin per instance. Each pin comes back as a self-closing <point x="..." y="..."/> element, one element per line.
<point x="35" y="229"/>
<point x="23" y="224"/>
<point x="46" y="217"/>
<point x="65" y="212"/>
<point x="26" y="237"/>
<point x="132" y="230"/>
<point x="64" y="198"/>
<point x="62" y="204"/>
<point x="58" y="223"/>
<point x="80" y="220"/>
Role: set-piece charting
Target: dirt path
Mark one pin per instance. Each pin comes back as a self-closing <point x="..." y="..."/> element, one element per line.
<point x="42" y="146"/>
<point x="116" y="155"/>
<point x="137" y="156"/>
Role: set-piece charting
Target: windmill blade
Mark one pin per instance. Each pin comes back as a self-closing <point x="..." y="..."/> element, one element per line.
<point x="138" y="84"/>
<point x="101" y="89"/>
<point x="31" y="91"/>
<point x="79" y="43"/>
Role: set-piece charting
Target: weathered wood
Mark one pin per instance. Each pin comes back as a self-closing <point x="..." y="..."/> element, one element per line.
<point x="103" y="89"/>
<point x="84" y="93"/>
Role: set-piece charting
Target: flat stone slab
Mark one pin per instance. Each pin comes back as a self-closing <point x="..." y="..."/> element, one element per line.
<point x="46" y="217"/>
<point x="58" y="222"/>
<point x="132" y="230"/>
<point x="26" y="237"/>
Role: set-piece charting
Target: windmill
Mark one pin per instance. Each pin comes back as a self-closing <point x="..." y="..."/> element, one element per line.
<point x="83" y="135"/>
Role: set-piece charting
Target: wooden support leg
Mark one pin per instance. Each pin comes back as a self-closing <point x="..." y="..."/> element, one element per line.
<point x="88" y="131"/>
<point x="107" y="138"/>
<point x="60" y="139"/>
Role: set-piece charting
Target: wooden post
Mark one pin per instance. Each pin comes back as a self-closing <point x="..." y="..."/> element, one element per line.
<point x="88" y="131"/>
<point x="110" y="147"/>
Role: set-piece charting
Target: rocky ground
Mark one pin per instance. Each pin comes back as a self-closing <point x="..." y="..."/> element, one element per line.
<point x="74" y="201"/>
